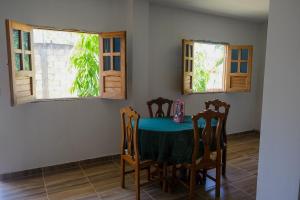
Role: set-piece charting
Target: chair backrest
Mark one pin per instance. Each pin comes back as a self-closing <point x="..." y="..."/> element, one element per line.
<point x="159" y="102"/>
<point x="209" y="135"/>
<point x="217" y="105"/>
<point x="129" y="129"/>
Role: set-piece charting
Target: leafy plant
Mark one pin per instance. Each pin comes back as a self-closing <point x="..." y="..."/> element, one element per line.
<point x="85" y="60"/>
<point x="204" y="66"/>
<point x="201" y="75"/>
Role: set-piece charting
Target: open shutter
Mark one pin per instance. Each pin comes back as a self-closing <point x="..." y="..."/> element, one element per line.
<point x="187" y="64"/>
<point x="21" y="62"/>
<point x="239" y="68"/>
<point x="113" y="65"/>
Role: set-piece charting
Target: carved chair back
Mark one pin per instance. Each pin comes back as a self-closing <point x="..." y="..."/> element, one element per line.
<point x="219" y="106"/>
<point x="129" y="126"/>
<point x="210" y="135"/>
<point x="159" y="102"/>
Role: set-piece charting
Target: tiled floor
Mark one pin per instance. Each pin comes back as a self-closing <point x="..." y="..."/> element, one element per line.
<point x="102" y="180"/>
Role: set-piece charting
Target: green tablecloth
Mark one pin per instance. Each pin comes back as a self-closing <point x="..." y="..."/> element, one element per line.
<point x="163" y="140"/>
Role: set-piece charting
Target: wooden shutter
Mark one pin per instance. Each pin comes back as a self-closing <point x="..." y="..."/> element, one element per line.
<point x="187" y="65"/>
<point x="21" y="62"/>
<point x="113" y="65"/>
<point x="238" y="68"/>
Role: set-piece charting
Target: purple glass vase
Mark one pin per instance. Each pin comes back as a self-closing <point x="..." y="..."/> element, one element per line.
<point x="178" y="111"/>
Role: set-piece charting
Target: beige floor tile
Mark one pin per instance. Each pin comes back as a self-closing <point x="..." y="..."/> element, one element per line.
<point x="155" y="192"/>
<point x="122" y="194"/>
<point x="248" y="185"/>
<point x="71" y="189"/>
<point x="101" y="180"/>
<point x="28" y="188"/>
<point x="63" y="176"/>
<point x="109" y="180"/>
<point x="97" y="168"/>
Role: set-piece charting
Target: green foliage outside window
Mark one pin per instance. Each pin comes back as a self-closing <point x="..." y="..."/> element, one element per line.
<point x="201" y="75"/>
<point x="85" y="60"/>
<point x="204" y="66"/>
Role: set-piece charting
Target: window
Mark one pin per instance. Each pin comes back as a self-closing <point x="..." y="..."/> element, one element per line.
<point x="50" y="64"/>
<point x="213" y="67"/>
<point x="60" y="59"/>
<point x="239" y="68"/>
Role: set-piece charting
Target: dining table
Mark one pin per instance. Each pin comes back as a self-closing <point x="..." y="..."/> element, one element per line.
<point x="168" y="142"/>
<point x="164" y="140"/>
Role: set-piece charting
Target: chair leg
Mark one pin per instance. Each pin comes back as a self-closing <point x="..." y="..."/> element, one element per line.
<point x="161" y="174"/>
<point x="149" y="173"/>
<point x="204" y="175"/>
<point x="192" y="184"/>
<point x="122" y="173"/>
<point x="224" y="158"/>
<point x="137" y="182"/>
<point x="165" y="174"/>
<point x="218" y="181"/>
<point x="174" y="171"/>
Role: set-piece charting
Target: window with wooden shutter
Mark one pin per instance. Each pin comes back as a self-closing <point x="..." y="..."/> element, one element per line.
<point x="20" y="60"/>
<point x="187" y="64"/>
<point x="113" y="65"/>
<point x="239" y="68"/>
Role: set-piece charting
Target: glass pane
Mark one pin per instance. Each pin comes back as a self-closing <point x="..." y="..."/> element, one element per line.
<point x="18" y="61"/>
<point x="191" y="66"/>
<point x="234" y="67"/>
<point x="17" y="39"/>
<point x="106" y="45"/>
<point x="106" y="64"/>
<point x="186" y="65"/>
<point x="244" y="54"/>
<point x="117" y="44"/>
<point x="27" y="62"/>
<point x="244" y="67"/>
<point x="191" y="51"/>
<point x="234" y="54"/>
<point x="26" y="40"/>
<point x="187" y="50"/>
<point x="117" y="64"/>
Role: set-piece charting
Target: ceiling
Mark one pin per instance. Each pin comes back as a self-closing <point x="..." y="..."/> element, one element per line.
<point x="254" y="10"/>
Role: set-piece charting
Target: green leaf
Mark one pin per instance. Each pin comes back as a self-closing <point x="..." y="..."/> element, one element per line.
<point x="85" y="60"/>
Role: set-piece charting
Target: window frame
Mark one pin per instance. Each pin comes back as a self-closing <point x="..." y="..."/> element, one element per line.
<point x="247" y="76"/>
<point x="226" y="72"/>
<point x="9" y="29"/>
<point x="20" y="94"/>
<point x="112" y="73"/>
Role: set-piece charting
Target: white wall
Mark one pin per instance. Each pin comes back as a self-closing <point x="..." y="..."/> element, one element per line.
<point x="140" y="27"/>
<point x="279" y="159"/>
<point x="262" y="39"/>
<point x="48" y="133"/>
<point x="168" y="26"/>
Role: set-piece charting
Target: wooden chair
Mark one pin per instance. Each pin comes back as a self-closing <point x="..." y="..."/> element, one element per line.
<point x="160" y="102"/>
<point x="129" y="148"/>
<point x="217" y="105"/>
<point x="210" y="159"/>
